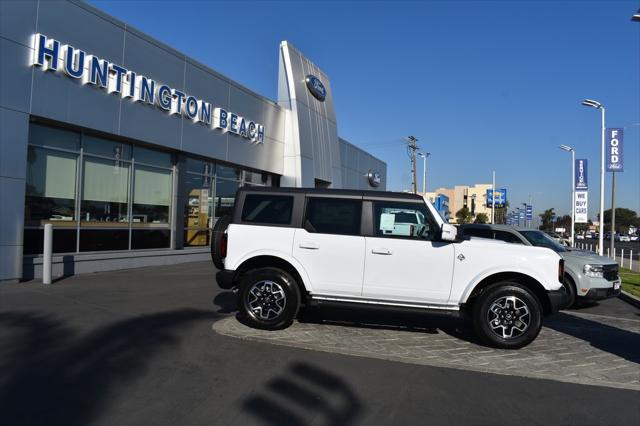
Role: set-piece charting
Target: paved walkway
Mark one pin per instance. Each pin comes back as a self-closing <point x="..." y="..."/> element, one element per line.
<point x="572" y="347"/>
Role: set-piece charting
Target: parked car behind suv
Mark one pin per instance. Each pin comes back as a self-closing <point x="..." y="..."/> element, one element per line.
<point x="587" y="276"/>
<point x="284" y="248"/>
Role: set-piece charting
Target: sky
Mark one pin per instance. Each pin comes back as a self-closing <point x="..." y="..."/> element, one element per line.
<point x="483" y="85"/>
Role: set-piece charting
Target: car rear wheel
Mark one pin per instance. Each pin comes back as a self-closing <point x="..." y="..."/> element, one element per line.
<point x="269" y="299"/>
<point x="507" y="315"/>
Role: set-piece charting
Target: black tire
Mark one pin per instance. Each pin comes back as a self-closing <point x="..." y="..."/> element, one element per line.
<point x="269" y="299"/>
<point x="514" y="328"/>
<point x="217" y="235"/>
<point x="570" y="287"/>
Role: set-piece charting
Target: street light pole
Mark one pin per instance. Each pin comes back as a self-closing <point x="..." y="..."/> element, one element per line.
<point x="595" y="104"/>
<point x="424" y="170"/>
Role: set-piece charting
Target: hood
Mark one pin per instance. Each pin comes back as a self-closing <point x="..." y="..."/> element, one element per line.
<point x="586" y="257"/>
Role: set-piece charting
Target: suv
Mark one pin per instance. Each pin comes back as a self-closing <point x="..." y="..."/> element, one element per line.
<point x="587" y="276"/>
<point x="284" y="248"/>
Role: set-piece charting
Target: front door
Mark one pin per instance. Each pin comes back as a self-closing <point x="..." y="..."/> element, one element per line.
<point x="403" y="263"/>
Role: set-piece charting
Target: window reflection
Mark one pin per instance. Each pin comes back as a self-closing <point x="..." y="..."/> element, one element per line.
<point x="50" y="186"/>
<point x="198" y="208"/>
<point x="151" y="196"/>
<point x="225" y="197"/>
<point x="105" y="189"/>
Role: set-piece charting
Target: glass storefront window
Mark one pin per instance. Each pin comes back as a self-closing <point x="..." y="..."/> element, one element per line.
<point x="50" y="186"/>
<point x="151" y="196"/>
<point x="106" y="148"/>
<point x="104" y="239"/>
<point x="198" y="209"/>
<point x="103" y="194"/>
<point x="254" y="178"/>
<point x="105" y="190"/>
<point x="225" y="197"/>
<point x="53" y="137"/>
<point x="150" y="238"/>
<point x="152" y="157"/>
<point x="194" y="165"/>
<point x="225" y="172"/>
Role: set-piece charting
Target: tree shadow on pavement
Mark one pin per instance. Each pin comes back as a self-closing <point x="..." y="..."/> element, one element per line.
<point x="609" y="339"/>
<point x="51" y="375"/>
<point x="305" y="394"/>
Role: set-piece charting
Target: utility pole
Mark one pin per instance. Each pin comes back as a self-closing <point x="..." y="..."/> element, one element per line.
<point x="412" y="147"/>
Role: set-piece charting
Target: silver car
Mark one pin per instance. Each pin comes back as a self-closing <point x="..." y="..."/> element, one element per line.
<point x="588" y="276"/>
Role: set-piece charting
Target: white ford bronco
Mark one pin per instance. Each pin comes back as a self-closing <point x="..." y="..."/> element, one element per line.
<point x="284" y="248"/>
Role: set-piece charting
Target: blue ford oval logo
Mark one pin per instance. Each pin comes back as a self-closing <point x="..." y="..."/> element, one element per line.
<point x="316" y="87"/>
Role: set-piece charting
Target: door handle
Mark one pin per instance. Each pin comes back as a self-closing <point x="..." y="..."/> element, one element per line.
<point x="384" y="251"/>
<point x="309" y="245"/>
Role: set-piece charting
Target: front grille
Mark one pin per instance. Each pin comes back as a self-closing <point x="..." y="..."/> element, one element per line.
<point x="610" y="272"/>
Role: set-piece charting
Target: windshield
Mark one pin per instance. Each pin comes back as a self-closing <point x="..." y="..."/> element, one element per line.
<point x="540" y="239"/>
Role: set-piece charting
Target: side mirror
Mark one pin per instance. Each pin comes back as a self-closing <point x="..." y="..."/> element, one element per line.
<point x="448" y="232"/>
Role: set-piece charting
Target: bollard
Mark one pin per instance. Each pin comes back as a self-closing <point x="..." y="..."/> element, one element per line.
<point x="46" y="253"/>
<point x="608" y="251"/>
<point x="622" y="258"/>
<point x="631" y="260"/>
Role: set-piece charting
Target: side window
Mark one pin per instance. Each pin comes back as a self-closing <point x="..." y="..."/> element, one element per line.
<point x="333" y="216"/>
<point x="403" y="220"/>
<point x="508" y="237"/>
<point x="268" y="209"/>
<point x="478" y="232"/>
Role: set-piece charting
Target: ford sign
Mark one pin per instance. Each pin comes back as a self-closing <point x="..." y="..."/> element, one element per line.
<point x="316" y="87"/>
<point x="374" y="178"/>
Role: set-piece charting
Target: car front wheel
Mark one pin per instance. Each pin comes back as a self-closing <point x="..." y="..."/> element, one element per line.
<point x="269" y="299"/>
<point x="507" y="315"/>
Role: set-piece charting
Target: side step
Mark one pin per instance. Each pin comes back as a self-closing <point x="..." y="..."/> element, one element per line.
<point x="379" y="306"/>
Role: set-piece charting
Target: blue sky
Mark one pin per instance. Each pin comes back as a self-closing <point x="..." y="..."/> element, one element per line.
<point x="483" y="85"/>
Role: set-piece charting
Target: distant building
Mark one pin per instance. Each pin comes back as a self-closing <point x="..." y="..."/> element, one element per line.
<point x="473" y="197"/>
<point x="440" y="202"/>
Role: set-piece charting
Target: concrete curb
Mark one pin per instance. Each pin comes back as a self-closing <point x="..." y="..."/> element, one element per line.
<point x="630" y="299"/>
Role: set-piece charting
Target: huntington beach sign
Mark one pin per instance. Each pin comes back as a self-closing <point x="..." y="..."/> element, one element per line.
<point x="51" y="55"/>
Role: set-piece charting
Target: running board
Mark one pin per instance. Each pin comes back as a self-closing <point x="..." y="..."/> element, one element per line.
<point x="336" y="302"/>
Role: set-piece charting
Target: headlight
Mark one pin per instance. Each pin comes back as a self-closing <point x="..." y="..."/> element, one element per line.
<point x="594" y="271"/>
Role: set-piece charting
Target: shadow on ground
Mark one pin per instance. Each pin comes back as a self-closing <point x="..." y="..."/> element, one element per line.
<point x="610" y="339"/>
<point x="305" y="394"/>
<point x="51" y="375"/>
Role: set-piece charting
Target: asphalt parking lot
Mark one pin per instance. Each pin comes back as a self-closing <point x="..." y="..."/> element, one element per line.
<point x="162" y="346"/>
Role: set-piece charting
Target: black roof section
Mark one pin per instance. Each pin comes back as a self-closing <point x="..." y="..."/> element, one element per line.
<point x="340" y="192"/>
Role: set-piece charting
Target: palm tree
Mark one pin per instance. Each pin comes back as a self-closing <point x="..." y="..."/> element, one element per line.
<point x="546" y="218"/>
<point x="464" y="216"/>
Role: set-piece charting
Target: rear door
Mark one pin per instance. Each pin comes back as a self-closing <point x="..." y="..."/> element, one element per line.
<point x="406" y="266"/>
<point x="330" y="246"/>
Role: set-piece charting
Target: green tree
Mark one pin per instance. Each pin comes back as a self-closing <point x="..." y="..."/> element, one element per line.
<point x="624" y="219"/>
<point x="547" y="219"/>
<point x="481" y="218"/>
<point x="464" y="216"/>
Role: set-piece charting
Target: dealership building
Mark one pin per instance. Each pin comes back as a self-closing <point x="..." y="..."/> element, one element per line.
<point x="132" y="150"/>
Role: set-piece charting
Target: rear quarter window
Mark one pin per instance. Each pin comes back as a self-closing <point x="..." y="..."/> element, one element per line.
<point x="333" y="216"/>
<point x="267" y="209"/>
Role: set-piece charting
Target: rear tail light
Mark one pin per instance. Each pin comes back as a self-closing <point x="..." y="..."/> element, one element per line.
<point x="561" y="271"/>
<point x="223" y="246"/>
